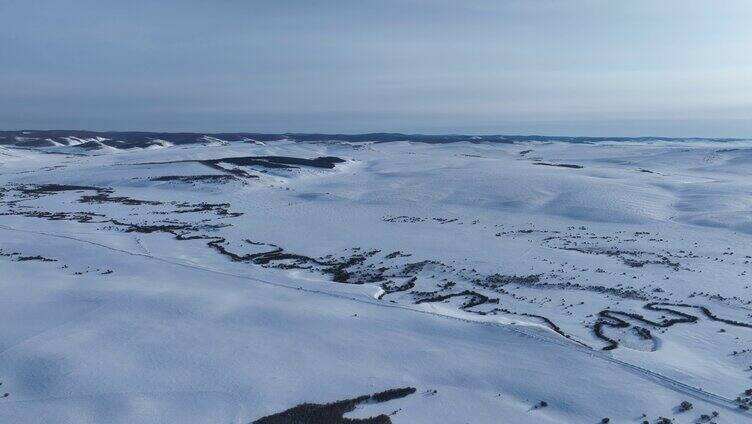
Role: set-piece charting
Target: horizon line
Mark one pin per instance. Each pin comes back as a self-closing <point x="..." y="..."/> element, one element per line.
<point x="354" y="134"/>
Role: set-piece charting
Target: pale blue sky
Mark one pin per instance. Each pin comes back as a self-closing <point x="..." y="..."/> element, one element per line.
<point x="574" y="67"/>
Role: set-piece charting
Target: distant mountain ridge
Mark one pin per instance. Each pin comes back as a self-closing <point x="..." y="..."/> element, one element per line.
<point x="95" y="140"/>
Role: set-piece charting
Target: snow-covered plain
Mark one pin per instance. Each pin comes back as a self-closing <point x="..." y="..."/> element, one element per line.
<point x="226" y="281"/>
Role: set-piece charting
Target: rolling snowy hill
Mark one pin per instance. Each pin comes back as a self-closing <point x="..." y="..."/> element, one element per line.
<point x="230" y="278"/>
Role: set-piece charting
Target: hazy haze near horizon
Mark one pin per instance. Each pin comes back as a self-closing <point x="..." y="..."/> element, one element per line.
<point x="673" y="68"/>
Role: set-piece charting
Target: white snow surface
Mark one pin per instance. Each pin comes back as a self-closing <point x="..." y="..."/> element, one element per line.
<point x="155" y="286"/>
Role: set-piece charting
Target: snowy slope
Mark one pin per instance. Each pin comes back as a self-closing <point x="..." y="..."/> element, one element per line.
<point x="232" y="280"/>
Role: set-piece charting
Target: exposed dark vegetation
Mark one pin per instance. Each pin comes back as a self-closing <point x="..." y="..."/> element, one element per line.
<point x="279" y="161"/>
<point x="271" y="162"/>
<point x="105" y="196"/>
<point x="333" y="413"/>
<point x="629" y="257"/>
<point x="560" y="165"/>
<point x="54" y="188"/>
<point x="35" y="258"/>
<point x="745" y="400"/>
<point x="210" y="178"/>
<point x="611" y="318"/>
